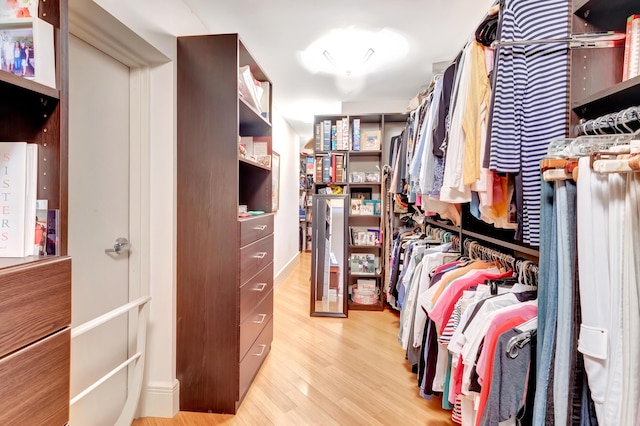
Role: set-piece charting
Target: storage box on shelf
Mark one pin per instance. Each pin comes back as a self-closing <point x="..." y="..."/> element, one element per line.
<point x="224" y="262"/>
<point x="35" y="292"/>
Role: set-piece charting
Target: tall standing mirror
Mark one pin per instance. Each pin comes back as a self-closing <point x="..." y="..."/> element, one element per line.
<point x="329" y="254"/>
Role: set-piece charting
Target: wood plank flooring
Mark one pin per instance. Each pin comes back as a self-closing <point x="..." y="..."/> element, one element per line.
<point x="327" y="371"/>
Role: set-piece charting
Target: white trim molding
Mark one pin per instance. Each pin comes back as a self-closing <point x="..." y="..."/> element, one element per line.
<point x="160" y="400"/>
<point x="286" y="270"/>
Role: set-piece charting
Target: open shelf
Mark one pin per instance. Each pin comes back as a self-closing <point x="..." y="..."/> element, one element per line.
<point x="253" y="164"/>
<point x="7" y="78"/>
<point x="365" y="275"/>
<point x="360" y="307"/>
<point x="364" y="153"/>
<point x="612" y="99"/>
<point x="364" y="184"/>
<point x="609" y="15"/>
<point x="251" y="122"/>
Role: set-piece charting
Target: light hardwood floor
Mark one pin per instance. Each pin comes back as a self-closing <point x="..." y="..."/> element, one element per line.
<point x="326" y="371"/>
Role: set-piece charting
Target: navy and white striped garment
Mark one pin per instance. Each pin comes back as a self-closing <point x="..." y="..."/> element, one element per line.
<point x="530" y="97"/>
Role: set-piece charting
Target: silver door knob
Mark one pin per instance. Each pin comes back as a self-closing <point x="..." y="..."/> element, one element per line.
<point x="121" y="245"/>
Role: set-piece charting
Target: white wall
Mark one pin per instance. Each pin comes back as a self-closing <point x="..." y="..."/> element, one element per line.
<point x="286" y="143"/>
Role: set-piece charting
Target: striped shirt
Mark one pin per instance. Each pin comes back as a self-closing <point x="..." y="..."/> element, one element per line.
<point x="531" y="97"/>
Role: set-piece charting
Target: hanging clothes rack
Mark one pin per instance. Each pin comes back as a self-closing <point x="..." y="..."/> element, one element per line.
<point x="587" y="40"/>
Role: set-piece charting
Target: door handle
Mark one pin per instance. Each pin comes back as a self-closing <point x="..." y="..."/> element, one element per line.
<point x="121" y="245"/>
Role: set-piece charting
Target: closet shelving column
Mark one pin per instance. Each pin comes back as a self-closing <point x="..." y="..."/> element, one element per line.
<point x="366" y="162"/>
<point x="224" y="264"/>
<point x="596" y="74"/>
<point x="35" y="292"/>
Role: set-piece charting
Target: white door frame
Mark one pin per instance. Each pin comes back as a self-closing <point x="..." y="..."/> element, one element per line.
<point x="92" y="24"/>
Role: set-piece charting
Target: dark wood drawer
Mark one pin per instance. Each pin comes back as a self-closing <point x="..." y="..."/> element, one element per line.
<point x="254" y="228"/>
<point x="254" y="257"/>
<point x="254" y="291"/>
<point x="35" y="383"/>
<point x="255" y="357"/>
<point x="255" y="322"/>
<point x="35" y="301"/>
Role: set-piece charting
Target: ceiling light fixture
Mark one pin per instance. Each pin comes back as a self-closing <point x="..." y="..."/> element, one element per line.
<point x="347" y="71"/>
<point x="352" y="52"/>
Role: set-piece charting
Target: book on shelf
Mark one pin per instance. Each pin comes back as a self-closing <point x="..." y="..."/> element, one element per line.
<point x="326" y="135"/>
<point x="337" y="165"/>
<point x="318" y="136"/>
<point x="310" y="165"/>
<point x="19" y="163"/>
<point x="631" y="65"/>
<point x="334" y="137"/>
<point x="53" y="231"/>
<point x="318" y="167"/>
<point x="355" y="146"/>
<point x="40" y="242"/>
<point x="345" y="135"/>
<point x="326" y="169"/>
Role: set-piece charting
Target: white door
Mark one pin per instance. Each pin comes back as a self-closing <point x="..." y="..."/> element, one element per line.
<point x="99" y="157"/>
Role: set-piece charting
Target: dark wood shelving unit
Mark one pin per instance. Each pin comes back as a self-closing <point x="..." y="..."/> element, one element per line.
<point x="35" y="292"/>
<point x="363" y="161"/>
<point x="224" y="263"/>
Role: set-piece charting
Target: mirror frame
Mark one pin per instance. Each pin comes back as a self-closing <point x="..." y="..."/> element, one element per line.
<point x="321" y="199"/>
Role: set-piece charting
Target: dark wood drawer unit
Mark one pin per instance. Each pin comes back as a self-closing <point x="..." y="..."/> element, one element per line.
<point x="255" y="323"/>
<point x="254" y="228"/>
<point x="254" y="358"/>
<point x="255" y="290"/>
<point x="254" y="257"/>
<point x="35" y="383"/>
<point x="35" y="301"/>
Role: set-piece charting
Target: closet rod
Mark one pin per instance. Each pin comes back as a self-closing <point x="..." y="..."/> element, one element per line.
<point x="575" y="40"/>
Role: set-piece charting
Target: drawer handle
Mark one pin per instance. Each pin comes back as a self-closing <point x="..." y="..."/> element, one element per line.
<point x="261" y="352"/>
<point x="261" y="320"/>
<point x="260" y="287"/>
<point x="260" y="255"/>
<point x="260" y="228"/>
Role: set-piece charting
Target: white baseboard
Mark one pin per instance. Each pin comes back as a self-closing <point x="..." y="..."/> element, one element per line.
<point x="284" y="272"/>
<point x="160" y="400"/>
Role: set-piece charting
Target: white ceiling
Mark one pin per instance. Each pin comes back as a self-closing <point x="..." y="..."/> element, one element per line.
<point x="275" y="31"/>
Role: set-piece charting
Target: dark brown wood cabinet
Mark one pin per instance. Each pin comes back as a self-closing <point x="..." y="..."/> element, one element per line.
<point x="35" y="292"/>
<point x="224" y="264"/>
